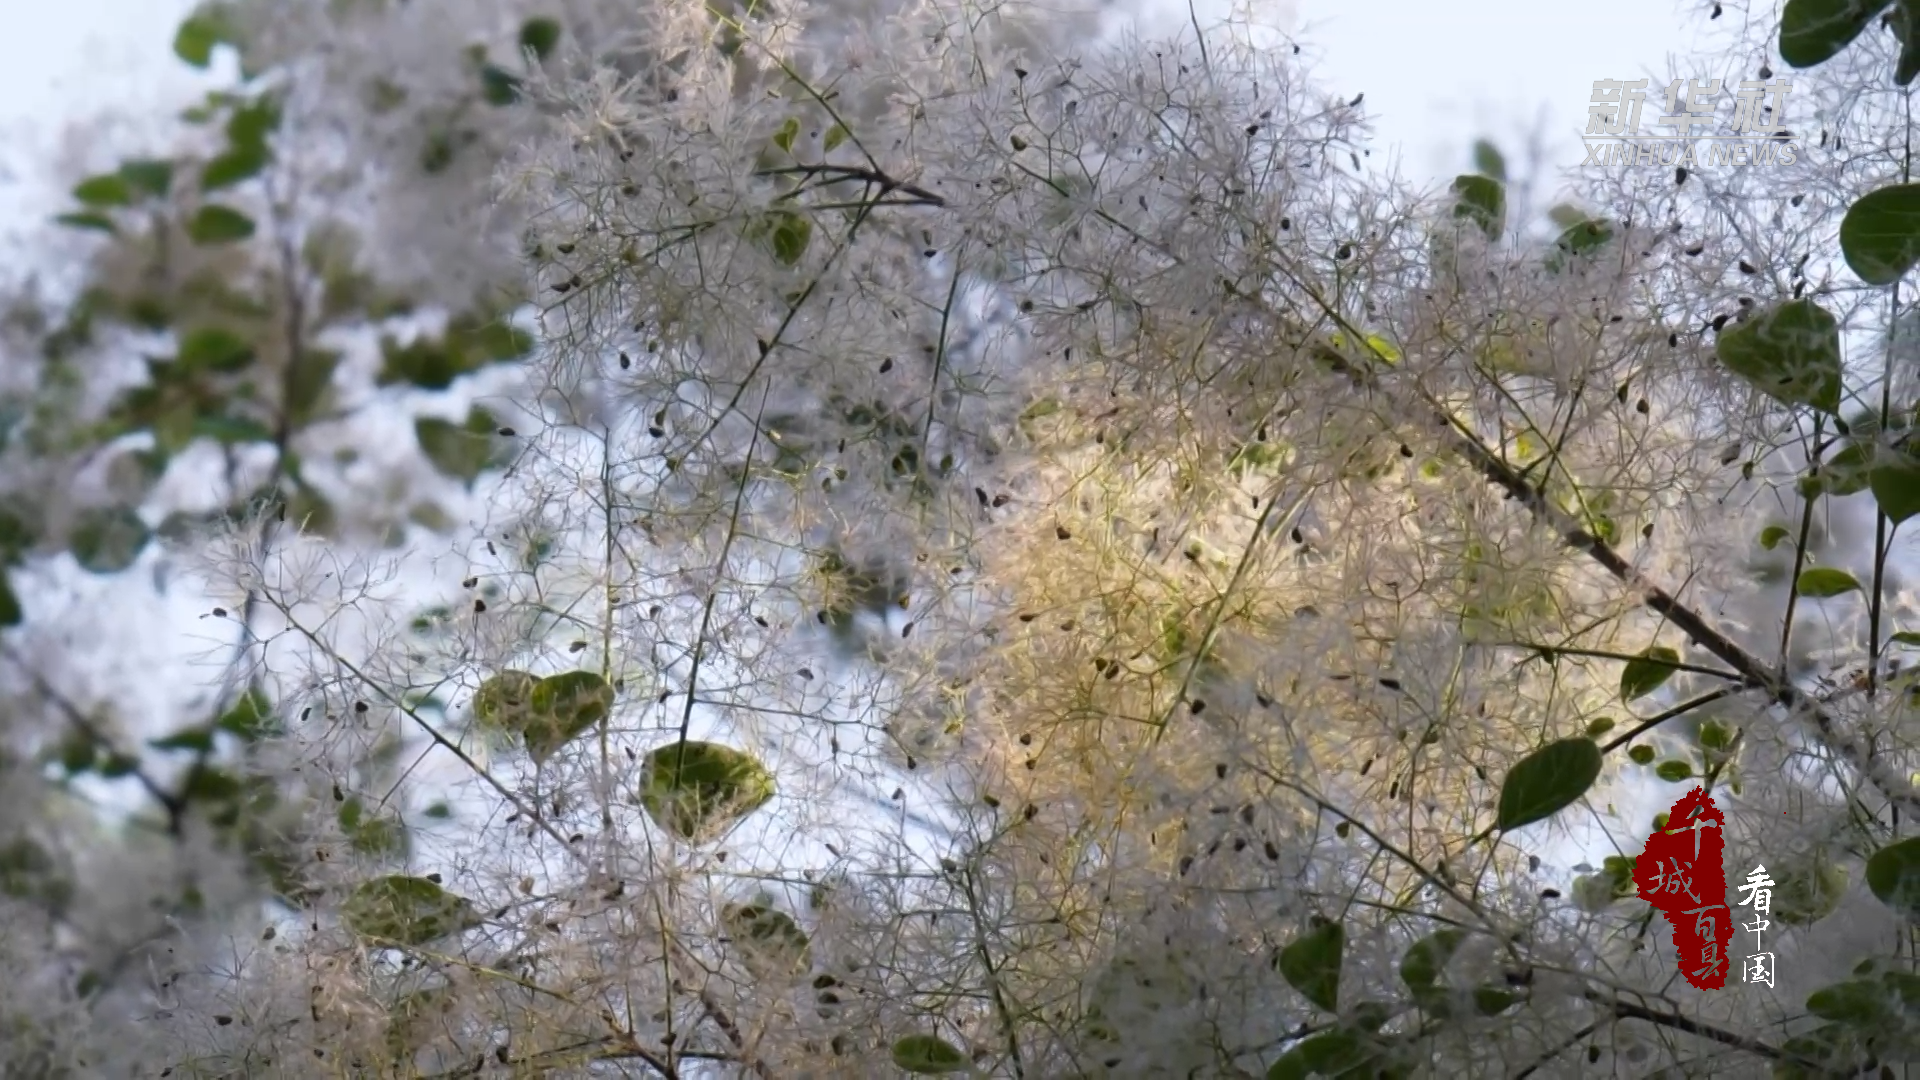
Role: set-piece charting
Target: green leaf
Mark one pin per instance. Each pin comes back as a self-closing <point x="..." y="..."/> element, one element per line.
<point x="1908" y="637"/>
<point x="10" y="613"/>
<point x="787" y="133"/>
<point x="784" y="233"/>
<point x="1906" y="26"/>
<point x="1880" y="236"/>
<point x="769" y="942"/>
<point x="232" y="430"/>
<point x="498" y="86"/>
<point x="1547" y="781"/>
<point x="1814" y="31"/>
<point x="251" y="123"/>
<point x="1483" y="201"/>
<point x="1580" y="239"/>
<point x="505" y="701"/>
<point x="1426" y="958"/>
<point x="929" y="1055"/>
<point x="540" y="36"/>
<point x="1492" y="1000"/>
<point x="1822" y="582"/>
<point x="1566" y="214"/>
<point x="405" y="910"/>
<point x="250" y="718"/>
<point x="1488" y="160"/>
<point x="1791" y="352"/>
<point x="1771" y="536"/>
<point x="1647" y="673"/>
<point x="213" y="348"/>
<point x="1717" y="735"/>
<point x="1860" y="1002"/>
<point x="564" y="707"/>
<point x="1599" y="726"/>
<point x="1848" y="472"/>
<point x="196" y="740"/>
<point x="1809" y="893"/>
<point x="195" y="39"/>
<point x="87" y="219"/>
<point x="453" y="448"/>
<point x="217" y="224"/>
<point x="1641" y="755"/>
<point x="107" y="189"/>
<point x="148" y="176"/>
<point x="694" y="789"/>
<point x="1893" y="874"/>
<point x="378" y="836"/>
<point x="1674" y="770"/>
<point x="836" y="135"/>
<point x="236" y="165"/>
<point x="1895" y="480"/>
<point x="107" y="541"/>
<point x="308" y="381"/>
<point x="1340" y="1053"/>
<point x="1311" y="963"/>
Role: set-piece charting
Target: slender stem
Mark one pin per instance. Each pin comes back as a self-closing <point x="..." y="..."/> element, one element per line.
<point x="1800" y="548"/>
<point x="1627" y="1010"/>
<point x="1678" y="710"/>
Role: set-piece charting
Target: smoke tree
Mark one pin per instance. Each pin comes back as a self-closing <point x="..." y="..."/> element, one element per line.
<point x="767" y="540"/>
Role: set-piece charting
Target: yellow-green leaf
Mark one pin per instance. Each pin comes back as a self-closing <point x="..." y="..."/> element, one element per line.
<point x="564" y="707"/>
<point x="1645" y="674"/>
<point x="770" y="944"/>
<point x="1790" y="352"/>
<point x="404" y="910"/>
<point x="787" y="133"/>
<point x="929" y="1055"/>
<point x="1822" y="582"/>
<point x="696" y="789"/>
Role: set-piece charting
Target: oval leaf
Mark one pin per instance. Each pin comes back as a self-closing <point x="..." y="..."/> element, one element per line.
<point x="1895" y="481"/>
<point x="563" y="707"/>
<point x="405" y="910"/>
<point x="505" y="702"/>
<point x="1482" y="201"/>
<point x="1331" y="1053"/>
<point x="1814" y="31"/>
<point x="108" y="189"/>
<point x="694" y="789"/>
<point x="1311" y="964"/>
<point x="1893" y="873"/>
<point x="1824" y="581"/>
<point x="539" y="36"/>
<point x="1646" y="674"/>
<point x="770" y="943"/>
<point x="1790" y="353"/>
<point x="1807" y="895"/>
<point x="1880" y="236"/>
<point x="216" y="224"/>
<point x="214" y="348"/>
<point x="1547" y="781"/>
<point x="108" y="541"/>
<point x="1424" y="960"/>
<point x="929" y="1055"/>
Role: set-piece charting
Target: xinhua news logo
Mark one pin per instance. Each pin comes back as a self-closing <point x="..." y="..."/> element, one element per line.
<point x="1757" y="134"/>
